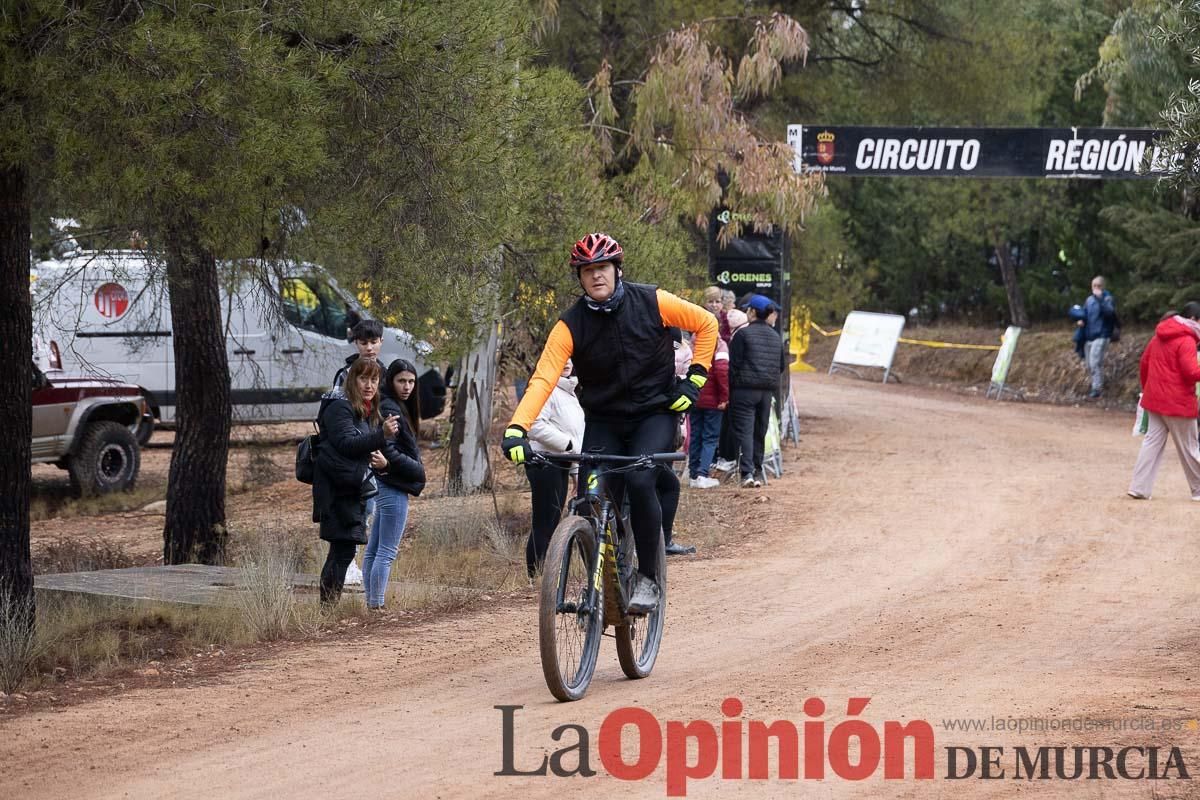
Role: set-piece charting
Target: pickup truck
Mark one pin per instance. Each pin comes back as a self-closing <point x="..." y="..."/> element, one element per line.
<point x="89" y="427"/>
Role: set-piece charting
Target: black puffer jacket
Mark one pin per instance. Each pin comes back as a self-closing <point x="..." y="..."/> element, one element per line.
<point x="756" y="357"/>
<point x="405" y="470"/>
<point x="343" y="466"/>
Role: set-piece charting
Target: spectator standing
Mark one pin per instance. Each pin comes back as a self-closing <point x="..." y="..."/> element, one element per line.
<point x="557" y="429"/>
<point x="351" y="429"/>
<point x="400" y="476"/>
<point x="727" y="449"/>
<point x="728" y="300"/>
<point x="756" y="360"/>
<point x="712" y="301"/>
<point x="367" y="335"/>
<point x="1100" y="317"/>
<point x="706" y="420"/>
<point x="1169" y="374"/>
<point x="737" y="321"/>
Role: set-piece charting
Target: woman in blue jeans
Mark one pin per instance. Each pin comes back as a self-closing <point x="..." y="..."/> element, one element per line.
<point x="400" y="475"/>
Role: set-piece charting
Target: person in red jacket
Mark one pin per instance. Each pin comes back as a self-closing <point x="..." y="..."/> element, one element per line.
<point x="1169" y="373"/>
<point x="705" y="420"/>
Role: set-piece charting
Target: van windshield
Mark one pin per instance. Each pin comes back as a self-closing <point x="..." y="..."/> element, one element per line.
<point x="312" y="304"/>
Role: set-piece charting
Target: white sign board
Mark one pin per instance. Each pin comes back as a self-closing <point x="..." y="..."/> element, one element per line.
<point x="868" y="340"/>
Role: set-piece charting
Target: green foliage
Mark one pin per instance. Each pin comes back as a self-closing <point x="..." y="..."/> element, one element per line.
<point x="1182" y="113"/>
<point x="929" y="244"/>
<point x="823" y="263"/>
<point x="1144" y="61"/>
<point x="180" y="109"/>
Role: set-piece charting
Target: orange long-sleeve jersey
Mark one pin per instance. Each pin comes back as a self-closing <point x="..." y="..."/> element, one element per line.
<point x="673" y="312"/>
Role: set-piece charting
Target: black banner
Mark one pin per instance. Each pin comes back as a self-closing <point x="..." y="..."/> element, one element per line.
<point x="979" y="152"/>
<point x="753" y="262"/>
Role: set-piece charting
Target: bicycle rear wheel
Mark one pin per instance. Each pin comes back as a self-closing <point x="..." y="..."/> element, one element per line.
<point x="568" y="629"/>
<point x="639" y="637"/>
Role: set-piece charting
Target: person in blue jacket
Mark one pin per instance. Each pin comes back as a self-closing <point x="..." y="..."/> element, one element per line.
<point x="1077" y="315"/>
<point x="1100" y="317"/>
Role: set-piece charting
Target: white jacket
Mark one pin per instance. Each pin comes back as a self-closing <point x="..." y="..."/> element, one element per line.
<point x="561" y="421"/>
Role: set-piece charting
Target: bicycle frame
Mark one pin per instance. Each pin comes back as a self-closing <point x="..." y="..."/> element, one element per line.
<point x="593" y="502"/>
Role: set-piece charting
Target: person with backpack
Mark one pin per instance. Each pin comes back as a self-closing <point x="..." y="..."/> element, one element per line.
<point x="351" y="429"/>
<point x="1099" y="325"/>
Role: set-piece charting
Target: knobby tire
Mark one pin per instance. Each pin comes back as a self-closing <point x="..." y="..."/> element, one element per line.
<point x="569" y="642"/>
<point x="639" y="637"/>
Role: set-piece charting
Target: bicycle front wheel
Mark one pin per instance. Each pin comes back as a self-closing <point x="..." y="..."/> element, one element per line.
<point x="569" y="626"/>
<point x="639" y="637"/>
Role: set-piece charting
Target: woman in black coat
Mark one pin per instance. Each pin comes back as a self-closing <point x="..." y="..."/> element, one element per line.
<point x="351" y="429"/>
<point x="400" y="476"/>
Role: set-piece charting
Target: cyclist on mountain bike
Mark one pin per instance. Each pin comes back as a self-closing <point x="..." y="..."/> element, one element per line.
<point x="617" y="335"/>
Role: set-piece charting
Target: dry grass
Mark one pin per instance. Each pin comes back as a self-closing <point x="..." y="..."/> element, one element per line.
<point x="299" y="544"/>
<point x="81" y="554"/>
<point x="266" y="596"/>
<point x="264" y="464"/>
<point x="89" y="636"/>
<point x="455" y="550"/>
<point x="56" y="501"/>
<point x="19" y="646"/>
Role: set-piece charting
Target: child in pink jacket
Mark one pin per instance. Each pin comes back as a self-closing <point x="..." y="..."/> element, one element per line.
<point x="706" y="420"/>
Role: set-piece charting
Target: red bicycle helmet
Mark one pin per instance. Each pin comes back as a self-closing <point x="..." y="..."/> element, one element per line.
<point x="595" y="248"/>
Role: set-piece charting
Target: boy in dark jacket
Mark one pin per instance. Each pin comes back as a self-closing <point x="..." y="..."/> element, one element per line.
<point x="368" y="338"/>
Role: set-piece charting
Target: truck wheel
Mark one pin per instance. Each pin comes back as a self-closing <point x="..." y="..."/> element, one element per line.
<point x="107" y="459"/>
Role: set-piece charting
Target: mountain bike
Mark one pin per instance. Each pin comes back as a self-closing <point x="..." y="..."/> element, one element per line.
<point x="589" y="576"/>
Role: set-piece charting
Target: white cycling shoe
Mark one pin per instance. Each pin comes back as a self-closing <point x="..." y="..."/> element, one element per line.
<point x="645" y="596"/>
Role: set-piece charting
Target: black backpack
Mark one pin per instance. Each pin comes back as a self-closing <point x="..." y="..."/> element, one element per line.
<point x="306" y="456"/>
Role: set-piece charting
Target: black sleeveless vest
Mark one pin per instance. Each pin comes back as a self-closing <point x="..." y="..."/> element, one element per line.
<point x="625" y="360"/>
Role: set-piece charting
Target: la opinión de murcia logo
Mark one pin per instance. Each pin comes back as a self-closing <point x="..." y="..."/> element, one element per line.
<point x="739" y="749"/>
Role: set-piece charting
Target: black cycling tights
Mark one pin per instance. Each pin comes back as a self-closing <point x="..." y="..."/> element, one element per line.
<point x="635" y="437"/>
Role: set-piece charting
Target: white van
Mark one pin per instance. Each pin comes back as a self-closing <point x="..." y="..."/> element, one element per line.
<point x="108" y="313"/>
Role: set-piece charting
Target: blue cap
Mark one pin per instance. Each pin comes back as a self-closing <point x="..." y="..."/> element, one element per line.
<point x="762" y="304"/>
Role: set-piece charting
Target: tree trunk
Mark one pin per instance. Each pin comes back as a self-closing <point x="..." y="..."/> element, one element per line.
<point x="16" y="380"/>
<point x="470" y="432"/>
<point x="1008" y="271"/>
<point x="195" y="525"/>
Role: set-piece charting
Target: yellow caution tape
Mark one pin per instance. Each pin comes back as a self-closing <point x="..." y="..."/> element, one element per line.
<point x="954" y="345"/>
<point x="922" y="342"/>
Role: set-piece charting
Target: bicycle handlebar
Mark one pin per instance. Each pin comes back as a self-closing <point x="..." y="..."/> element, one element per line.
<point x="604" y="458"/>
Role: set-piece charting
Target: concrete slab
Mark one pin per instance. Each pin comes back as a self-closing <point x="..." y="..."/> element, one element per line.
<point x="194" y="584"/>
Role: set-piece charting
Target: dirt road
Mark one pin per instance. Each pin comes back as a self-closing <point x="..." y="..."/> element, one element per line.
<point x="945" y="557"/>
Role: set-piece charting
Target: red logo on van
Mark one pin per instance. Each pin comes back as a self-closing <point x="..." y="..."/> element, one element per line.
<point x="111" y="300"/>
